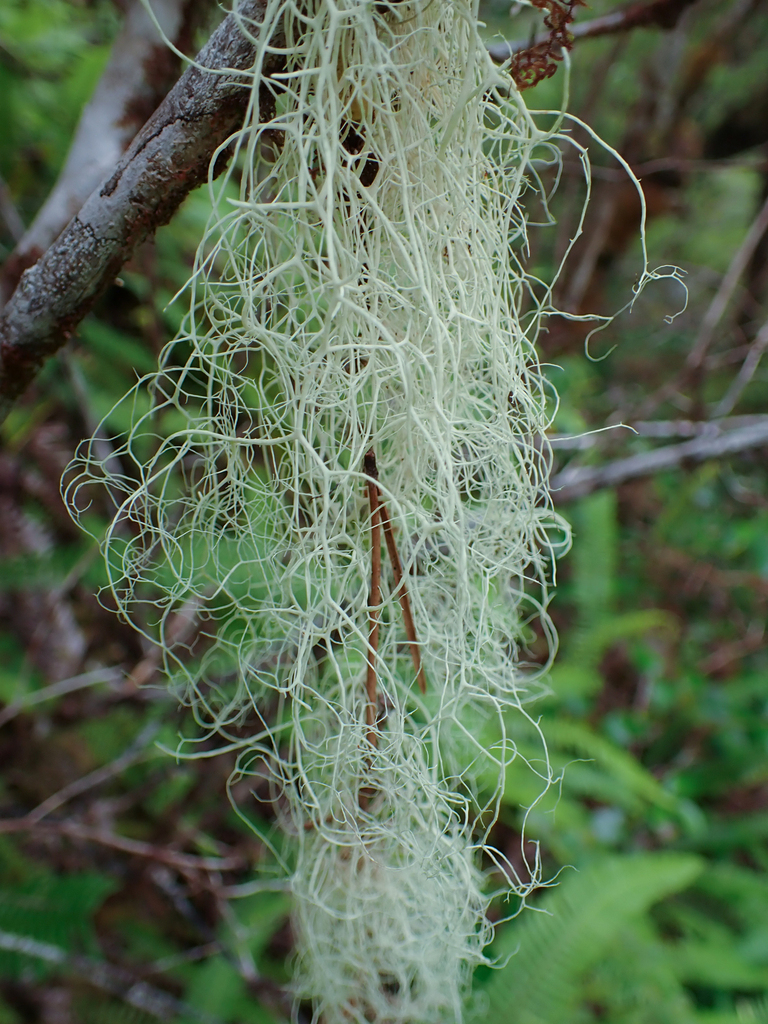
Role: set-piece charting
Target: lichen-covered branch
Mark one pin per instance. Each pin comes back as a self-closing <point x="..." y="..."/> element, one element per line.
<point x="167" y="159"/>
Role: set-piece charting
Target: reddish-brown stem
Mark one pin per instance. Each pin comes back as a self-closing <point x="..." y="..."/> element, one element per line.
<point x="374" y="602"/>
<point x="401" y="590"/>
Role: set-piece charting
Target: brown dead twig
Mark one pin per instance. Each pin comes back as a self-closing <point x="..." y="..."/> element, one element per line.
<point x="185" y="863"/>
<point x="380" y="518"/>
<point x="110" y="676"/>
<point x="374" y="602"/>
<point x="169" y="157"/>
<point x="720" y="659"/>
<point x="532" y="64"/>
<point x="402" y="593"/>
<point x="136" y="751"/>
<point x="755" y="353"/>
<point x="663" y="14"/>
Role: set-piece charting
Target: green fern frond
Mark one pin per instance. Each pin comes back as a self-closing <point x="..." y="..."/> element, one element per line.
<point x="217" y="988"/>
<point x="624" y="769"/>
<point x="93" y="1009"/>
<point x="553" y="950"/>
<point x="747" y="1011"/>
<point x="743" y="891"/>
<point x="634" y="982"/>
<point x="591" y="764"/>
<point x="598" y="626"/>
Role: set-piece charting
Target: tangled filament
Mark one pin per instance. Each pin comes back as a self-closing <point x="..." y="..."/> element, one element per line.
<point x="341" y="470"/>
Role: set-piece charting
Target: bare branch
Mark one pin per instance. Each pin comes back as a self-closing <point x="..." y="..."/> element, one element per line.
<point x="107" y="977"/>
<point x="183" y="862"/>
<point x="168" y="158"/>
<point x="140" y="71"/>
<point x="719" y="304"/>
<point x="654" y="428"/>
<point x="745" y="374"/>
<point x="111" y="676"/>
<point x="577" y="481"/>
<point x="655" y="14"/>
<point x="724" y="656"/>
<point x="695" y="359"/>
<point x="136" y="751"/>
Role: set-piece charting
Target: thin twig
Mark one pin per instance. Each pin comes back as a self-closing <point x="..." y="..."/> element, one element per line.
<point x="59" y="689"/>
<point x="107" y="977"/>
<point x="188" y="956"/>
<point x="745" y="374"/>
<point x="134" y="752"/>
<point x="577" y="481"/>
<point x="401" y="589"/>
<point x="184" y="862"/>
<point x="752" y="641"/>
<point x="374" y="603"/>
<point x="696" y="357"/>
<point x="724" y="293"/>
<point x="755" y="162"/>
<point x="696" y="428"/>
<point x="654" y="428"/>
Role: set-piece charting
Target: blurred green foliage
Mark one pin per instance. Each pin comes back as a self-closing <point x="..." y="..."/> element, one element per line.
<point x="657" y="714"/>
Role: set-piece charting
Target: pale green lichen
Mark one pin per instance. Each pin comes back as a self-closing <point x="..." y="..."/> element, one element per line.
<point x="364" y="293"/>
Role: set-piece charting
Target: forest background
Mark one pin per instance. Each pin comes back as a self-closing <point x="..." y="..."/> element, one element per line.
<point x="129" y="887"/>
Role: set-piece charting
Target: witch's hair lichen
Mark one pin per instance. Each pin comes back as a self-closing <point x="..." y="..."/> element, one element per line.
<point x="357" y="369"/>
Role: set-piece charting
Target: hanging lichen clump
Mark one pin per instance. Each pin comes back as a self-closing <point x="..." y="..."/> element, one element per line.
<point x="340" y="473"/>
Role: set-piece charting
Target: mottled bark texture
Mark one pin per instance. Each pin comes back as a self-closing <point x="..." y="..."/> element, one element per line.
<point x="140" y="71"/>
<point x="168" y="158"/>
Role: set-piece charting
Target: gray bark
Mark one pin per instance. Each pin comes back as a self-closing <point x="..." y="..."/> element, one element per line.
<point x="140" y="71"/>
<point x="168" y="158"/>
<point x="577" y="481"/>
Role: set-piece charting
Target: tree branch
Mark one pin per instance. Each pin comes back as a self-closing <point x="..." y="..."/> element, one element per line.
<point x="655" y="14"/>
<point x="110" y="676"/>
<point x="105" y="976"/>
<point x="140" y="71"/>
<point x="577" y="481"/>
<point x="655" y="428"/>
<point x="746" y="373"/>
<point x="168" y="158"/>
<point x="694" y="362"/>
<point x="182" y="862"/>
